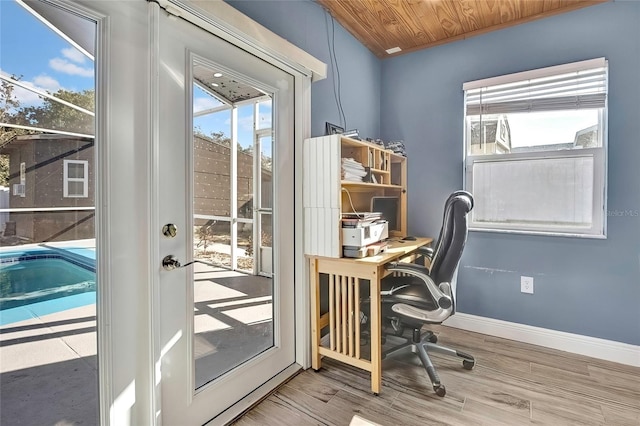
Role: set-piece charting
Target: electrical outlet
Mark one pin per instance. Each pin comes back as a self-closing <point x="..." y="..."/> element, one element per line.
<point x="526" y="285"/>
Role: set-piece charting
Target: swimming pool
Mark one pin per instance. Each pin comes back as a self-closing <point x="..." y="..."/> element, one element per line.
<point x="35" y="282"/>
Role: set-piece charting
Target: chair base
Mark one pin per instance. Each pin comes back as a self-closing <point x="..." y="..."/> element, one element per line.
<point x="421" y="345"/>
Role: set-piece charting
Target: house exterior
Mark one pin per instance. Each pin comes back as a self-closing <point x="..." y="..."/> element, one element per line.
<point x="57" y="171"/>
<point x="213" y="179"/>
<point x="55" y="174"/>
<point x="490" y="135"/>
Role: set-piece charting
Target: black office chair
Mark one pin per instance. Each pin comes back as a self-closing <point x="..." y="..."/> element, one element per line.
<point x="416" y="295"/>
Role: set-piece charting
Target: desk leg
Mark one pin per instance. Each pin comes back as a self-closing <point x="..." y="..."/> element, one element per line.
<point x="376" y="333"/>
<point x="314" y="280"/>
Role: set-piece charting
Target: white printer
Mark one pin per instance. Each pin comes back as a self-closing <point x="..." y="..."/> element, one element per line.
<point x="356" y="239"/>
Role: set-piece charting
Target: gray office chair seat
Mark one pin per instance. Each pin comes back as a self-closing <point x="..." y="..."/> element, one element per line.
<point x="415" y="295"/>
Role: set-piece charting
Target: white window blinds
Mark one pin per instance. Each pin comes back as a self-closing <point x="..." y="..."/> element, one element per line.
<point x="579" y="85"/>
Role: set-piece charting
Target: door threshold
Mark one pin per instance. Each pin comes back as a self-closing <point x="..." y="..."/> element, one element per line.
<point x="254" y="398"/>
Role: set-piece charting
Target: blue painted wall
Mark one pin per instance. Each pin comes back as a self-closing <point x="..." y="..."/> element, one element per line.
<point x="307" y="25"/>
<point x="583" y="286"/>
<point x="588" y="287"/>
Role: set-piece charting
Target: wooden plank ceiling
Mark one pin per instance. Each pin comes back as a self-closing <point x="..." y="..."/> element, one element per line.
<point x="418" y="24"/>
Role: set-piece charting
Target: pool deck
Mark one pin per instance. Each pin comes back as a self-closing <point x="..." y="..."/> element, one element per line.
<point x="48" y="361"/>
<point x="48" y="369"/>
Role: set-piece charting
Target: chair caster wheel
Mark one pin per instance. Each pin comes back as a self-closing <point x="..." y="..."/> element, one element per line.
<point x="433" y="339"/>
<point x="468" y="365"/>
<point x="440" y="390"/>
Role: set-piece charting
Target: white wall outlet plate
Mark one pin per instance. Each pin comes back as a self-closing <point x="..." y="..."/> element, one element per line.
<point x="526" y="284"/>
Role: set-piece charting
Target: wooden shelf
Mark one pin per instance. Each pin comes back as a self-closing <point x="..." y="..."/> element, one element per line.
<point x="382" y="172"/>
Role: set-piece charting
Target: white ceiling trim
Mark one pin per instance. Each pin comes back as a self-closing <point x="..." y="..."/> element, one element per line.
<point x="228" y="23"/>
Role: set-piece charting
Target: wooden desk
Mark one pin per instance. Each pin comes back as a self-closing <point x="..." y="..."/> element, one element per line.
<point x="343" y="318"/>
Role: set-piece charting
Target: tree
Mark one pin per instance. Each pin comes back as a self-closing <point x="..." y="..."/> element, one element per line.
<point x="49" y="115"/>
<point x="266" y="162"/>
<point x="56" y="116"/>
<point x="8" y="102"/>
<point x="4" y="170"/>
<point x="221" y="138"/>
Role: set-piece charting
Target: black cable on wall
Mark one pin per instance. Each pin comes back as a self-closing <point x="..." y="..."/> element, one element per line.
<point x="331" y="43"/>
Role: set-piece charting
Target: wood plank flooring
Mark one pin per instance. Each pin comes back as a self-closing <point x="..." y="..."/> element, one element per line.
<point x="512" y="384"/>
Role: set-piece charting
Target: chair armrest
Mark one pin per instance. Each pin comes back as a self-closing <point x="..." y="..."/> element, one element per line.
<point x="426" y="251"/>
<point x="433" y="317"/>
<point x="443" y="299"/>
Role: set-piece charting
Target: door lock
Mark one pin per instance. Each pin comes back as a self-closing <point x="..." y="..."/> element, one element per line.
<point x="169" y="230"/>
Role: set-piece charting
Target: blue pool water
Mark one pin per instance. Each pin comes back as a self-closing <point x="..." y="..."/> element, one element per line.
<point x="31" y="281"/>
<point x="37" y="282"/>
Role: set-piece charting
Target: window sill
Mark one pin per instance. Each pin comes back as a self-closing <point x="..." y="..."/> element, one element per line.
<point x="540" y="233"/>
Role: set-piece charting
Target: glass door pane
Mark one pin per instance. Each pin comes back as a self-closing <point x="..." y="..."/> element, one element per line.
<point x="233" y="307"/>
<point x="47" y="216"/>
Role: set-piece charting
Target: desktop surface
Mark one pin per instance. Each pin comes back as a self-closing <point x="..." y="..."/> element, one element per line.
<point x="396" y="248"/>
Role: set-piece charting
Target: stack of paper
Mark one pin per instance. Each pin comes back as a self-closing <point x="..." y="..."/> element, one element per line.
<point x="397" y="147"/>
<point x="352" y="170"/>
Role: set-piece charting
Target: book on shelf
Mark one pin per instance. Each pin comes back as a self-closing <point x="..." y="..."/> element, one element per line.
<point x="352" y="170"/>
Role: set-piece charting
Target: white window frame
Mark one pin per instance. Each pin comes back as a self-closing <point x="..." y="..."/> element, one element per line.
<point x="598" y="226"/>
<point x="19" y="189"/>
<point x="67" y="179"/>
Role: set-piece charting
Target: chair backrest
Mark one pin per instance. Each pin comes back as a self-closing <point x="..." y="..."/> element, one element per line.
<point x="453" y="236"/>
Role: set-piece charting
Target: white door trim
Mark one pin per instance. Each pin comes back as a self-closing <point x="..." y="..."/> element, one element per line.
<point x="155" y="343"/>
<point x="103" y="215"/>
<point x="301" y="272"/>
<point x="229" y="24"/>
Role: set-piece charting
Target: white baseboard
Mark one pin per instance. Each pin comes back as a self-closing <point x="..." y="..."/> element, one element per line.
<point x="609" y="350"/>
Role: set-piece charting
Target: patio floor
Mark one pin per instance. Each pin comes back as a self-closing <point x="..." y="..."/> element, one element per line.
<point x="48" y="364"/>
<point x="48" y="370"/>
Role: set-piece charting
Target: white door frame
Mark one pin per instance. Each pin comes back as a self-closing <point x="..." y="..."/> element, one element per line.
<point x="127" y="302"/>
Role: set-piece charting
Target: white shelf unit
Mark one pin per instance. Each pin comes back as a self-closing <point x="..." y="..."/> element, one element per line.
<point x="326" y="196"/>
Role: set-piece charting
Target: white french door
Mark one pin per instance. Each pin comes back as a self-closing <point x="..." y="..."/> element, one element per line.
<point x="222" y="333"/>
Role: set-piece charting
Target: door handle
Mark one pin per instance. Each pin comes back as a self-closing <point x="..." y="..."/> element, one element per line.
<point x="170" y="262"/>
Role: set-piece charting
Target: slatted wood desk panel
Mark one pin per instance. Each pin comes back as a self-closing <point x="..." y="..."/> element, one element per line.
<point x="343" y="317"/>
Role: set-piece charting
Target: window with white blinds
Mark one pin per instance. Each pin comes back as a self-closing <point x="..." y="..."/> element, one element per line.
<point x="535" y="148"/>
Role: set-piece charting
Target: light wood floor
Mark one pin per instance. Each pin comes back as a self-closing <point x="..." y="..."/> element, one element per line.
<point x="512" y="383"/>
